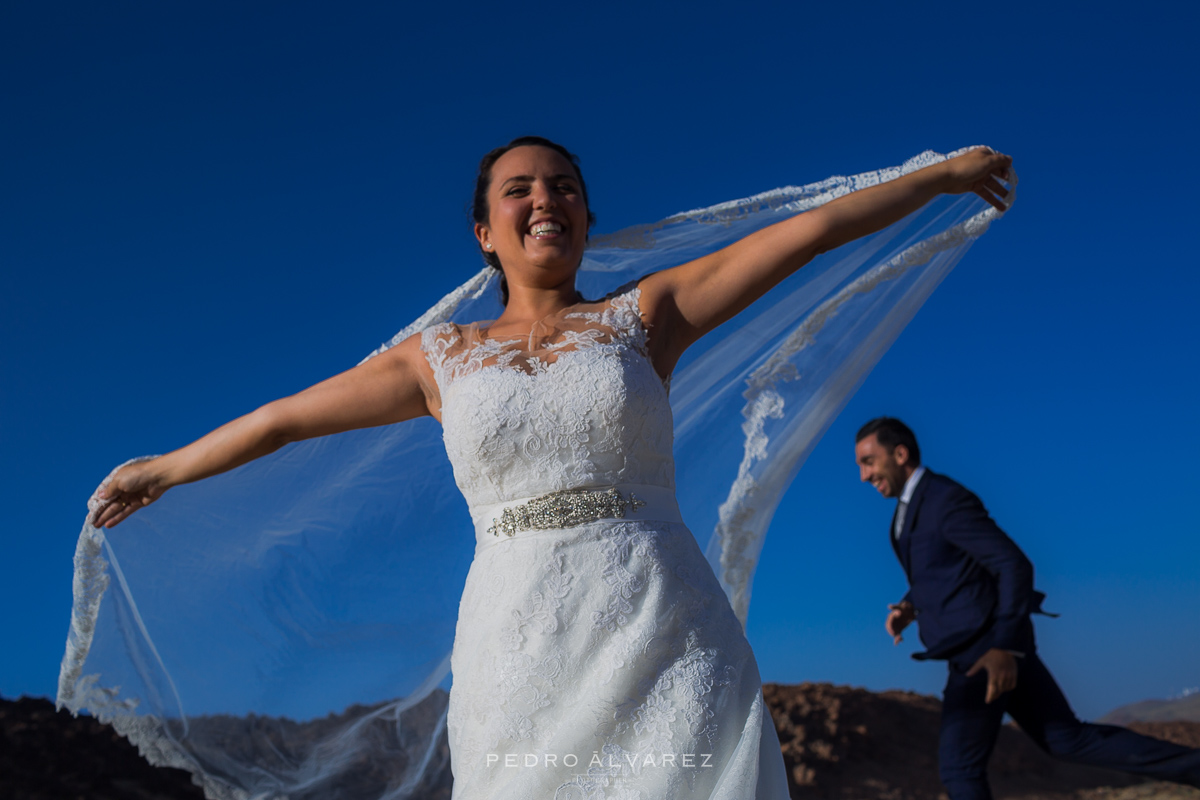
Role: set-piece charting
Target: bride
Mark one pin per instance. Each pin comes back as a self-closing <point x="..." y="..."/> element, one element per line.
<point x="595" y="653"/>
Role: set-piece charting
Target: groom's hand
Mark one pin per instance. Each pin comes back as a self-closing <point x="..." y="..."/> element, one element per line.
<point x="1001" y="667"/>
<point x="899" y="617"/>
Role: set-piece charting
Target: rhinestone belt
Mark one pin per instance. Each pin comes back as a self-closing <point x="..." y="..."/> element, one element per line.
<point x="565" y="509"/>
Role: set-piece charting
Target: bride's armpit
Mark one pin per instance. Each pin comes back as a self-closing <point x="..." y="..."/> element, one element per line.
<point x="657" y="311"/>
<point x="415" y="353"/>
<point x="432" y="401"/>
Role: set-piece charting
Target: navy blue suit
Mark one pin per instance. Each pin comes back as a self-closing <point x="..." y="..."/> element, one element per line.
<point x="972" y="588"/>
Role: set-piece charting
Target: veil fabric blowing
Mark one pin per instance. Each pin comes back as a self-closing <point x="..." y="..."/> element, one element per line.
<point x="284" y="630"/>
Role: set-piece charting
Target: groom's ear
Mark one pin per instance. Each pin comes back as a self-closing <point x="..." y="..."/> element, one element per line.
<point x="900" y="454"/>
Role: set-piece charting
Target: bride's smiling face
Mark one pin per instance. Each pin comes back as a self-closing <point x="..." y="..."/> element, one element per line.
<point x="537" y="216"/>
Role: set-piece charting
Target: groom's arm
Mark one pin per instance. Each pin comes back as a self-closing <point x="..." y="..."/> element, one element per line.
<point x="968" y="526"/>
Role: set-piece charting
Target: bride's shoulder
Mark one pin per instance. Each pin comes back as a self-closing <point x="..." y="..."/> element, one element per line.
<point x="446" y="343"/>
<point x="624" y="298"/>
<point x="438" y="330"/>
<point x="409" y="356"/>
<point x="624" y="290"/>
<point x="436" y="340"/>
<point x="641" y="296"/>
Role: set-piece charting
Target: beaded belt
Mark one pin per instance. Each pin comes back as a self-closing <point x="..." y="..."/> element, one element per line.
<point x="571" y="507"/>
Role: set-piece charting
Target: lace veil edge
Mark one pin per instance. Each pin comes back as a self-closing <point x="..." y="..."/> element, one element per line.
<point x="750" y="404"/>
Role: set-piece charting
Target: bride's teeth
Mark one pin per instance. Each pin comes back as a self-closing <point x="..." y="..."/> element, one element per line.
<point x="545" y="227"/>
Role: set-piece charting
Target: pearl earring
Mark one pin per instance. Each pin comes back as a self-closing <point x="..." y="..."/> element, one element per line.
<point x="488" y="245"/>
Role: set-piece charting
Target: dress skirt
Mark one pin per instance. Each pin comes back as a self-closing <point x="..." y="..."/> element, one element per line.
<point x="604" y="661"/>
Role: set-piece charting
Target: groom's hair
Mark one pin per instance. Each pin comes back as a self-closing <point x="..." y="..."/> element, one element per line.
<point x="890" y="432"/>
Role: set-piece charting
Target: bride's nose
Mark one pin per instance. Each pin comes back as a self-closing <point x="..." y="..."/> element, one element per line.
<point x="543" y="197"/>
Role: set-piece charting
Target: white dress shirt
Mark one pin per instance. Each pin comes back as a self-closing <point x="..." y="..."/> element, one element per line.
<point x="910" y="486"/>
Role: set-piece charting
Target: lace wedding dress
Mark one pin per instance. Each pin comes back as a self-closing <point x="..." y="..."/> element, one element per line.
<point x="283" y="631"/>
<point x="599" y="659"/>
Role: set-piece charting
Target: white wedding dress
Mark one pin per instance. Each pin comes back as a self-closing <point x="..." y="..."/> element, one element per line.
<point x="284" y="630"/>
<point x="602" y="659"/>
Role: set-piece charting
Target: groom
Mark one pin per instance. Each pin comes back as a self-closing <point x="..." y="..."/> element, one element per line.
<point x="971" y="592"/>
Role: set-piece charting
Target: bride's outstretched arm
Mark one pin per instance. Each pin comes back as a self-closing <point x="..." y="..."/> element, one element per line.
<point x="698" y="296"/>
<point x="388" y="388"/>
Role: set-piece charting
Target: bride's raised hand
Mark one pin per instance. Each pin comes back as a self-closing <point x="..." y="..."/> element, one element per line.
<point x="134" y="486"/>
<point x="382" y="391"/>
<point x="980" y="171"/>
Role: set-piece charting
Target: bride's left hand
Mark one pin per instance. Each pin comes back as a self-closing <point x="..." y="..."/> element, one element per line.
<point x="980" y="171"/>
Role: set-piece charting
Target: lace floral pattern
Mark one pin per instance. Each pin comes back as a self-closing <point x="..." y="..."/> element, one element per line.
<point x="575" y="404"/>
<point x="611" y="642"/>
<point x="852" y="304"/>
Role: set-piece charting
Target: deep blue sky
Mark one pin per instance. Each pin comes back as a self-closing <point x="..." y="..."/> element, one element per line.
<point x="205" y="206"/>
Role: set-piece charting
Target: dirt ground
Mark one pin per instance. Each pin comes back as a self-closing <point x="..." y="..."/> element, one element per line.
<point x="839" y="743"/>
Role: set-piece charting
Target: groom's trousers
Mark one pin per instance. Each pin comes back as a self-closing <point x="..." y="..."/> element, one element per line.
<point x="970" y="727"/>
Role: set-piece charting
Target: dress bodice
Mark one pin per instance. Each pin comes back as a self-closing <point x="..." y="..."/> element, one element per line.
<point x="575" y="404"/>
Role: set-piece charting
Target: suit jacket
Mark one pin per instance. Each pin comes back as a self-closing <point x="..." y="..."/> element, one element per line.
<point x="972" y="587"/>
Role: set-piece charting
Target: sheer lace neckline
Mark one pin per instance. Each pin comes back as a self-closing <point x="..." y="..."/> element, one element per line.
<point x="585" y="322"/>
<point x="483" y="328"/>
<point x="614" y="321"/>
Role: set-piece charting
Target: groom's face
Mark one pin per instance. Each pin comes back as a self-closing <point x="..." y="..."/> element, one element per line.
<point x="883" y="470"/>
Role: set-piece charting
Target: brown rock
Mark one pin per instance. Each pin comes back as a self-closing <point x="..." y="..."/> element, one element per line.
<point x="50" y="755"/>
<point x="842" y="743"/>
<point x="838" y="742"/>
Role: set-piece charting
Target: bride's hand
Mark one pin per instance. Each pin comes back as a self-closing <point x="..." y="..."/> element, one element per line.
<point x="134" y="486"/>
<point x="979" y="171"/>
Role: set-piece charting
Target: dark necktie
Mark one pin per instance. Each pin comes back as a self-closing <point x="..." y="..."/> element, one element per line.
<point x="898" y="526"/>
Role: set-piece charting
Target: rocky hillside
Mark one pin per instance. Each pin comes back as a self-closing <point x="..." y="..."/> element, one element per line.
<point x="1180" y="709"/>
<point x="48" y="755"/>
<point x="838" y="743"/>
<point x="842" y="743"/>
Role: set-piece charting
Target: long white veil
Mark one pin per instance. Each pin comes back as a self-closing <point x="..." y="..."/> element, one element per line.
<point x="284" y="630"/>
